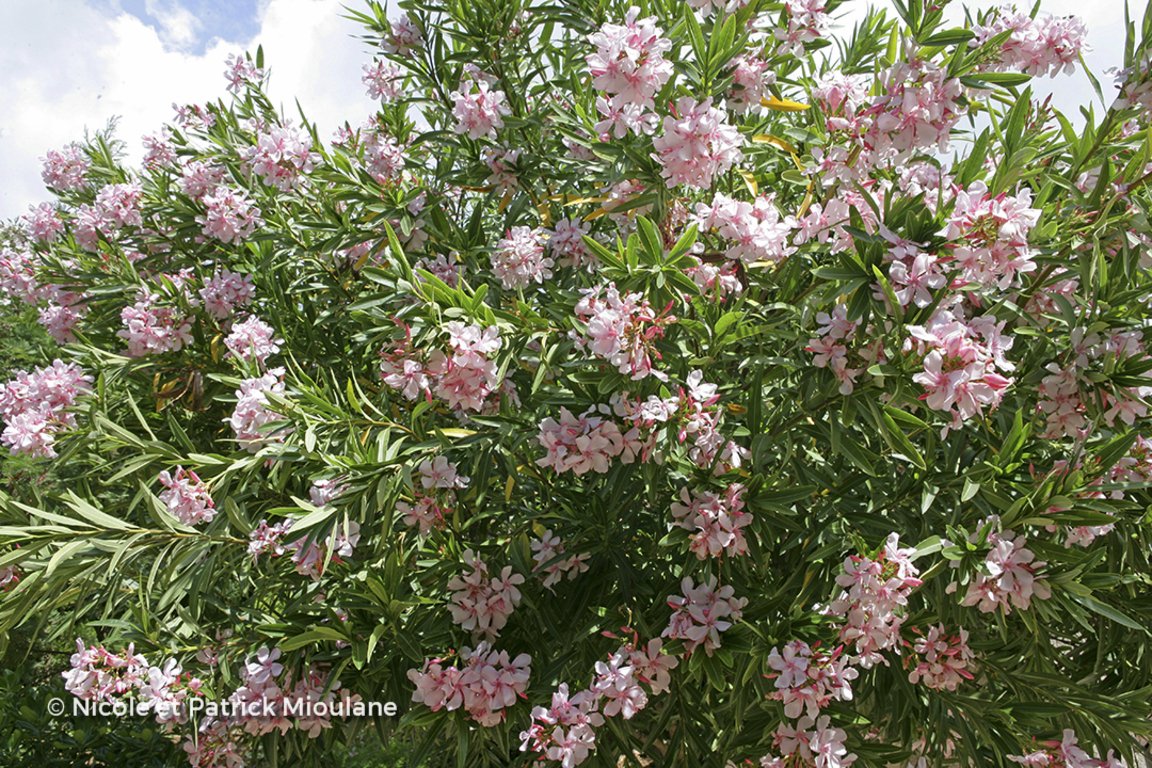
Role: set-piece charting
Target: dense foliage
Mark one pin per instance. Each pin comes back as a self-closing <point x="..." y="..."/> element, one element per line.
<point x="672" y="383"/>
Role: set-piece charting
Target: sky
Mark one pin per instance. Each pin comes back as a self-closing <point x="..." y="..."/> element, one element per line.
<point x="71" y="65"/>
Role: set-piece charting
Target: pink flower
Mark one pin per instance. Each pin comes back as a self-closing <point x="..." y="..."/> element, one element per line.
<point x="715" y="520"/>
<point x="479" y="113"/>
<point x="282" y="156"/>
<point x="384" y="80"/>
<point x="481" y="604"/>
<point x="252" y="340"/>
<point x="159" y="151"/>
<point x="1041" y="46"/>
<point x="225" y="292"/>
<point x="697" y="145"/>
<point x="702" y="613"/>
<point x="579" y="444"/>
<point x="152" y="328"/>
<point x="44" y="223"/>
<point x="66" y="170"/>
<point x="187" y="497"/>
<point x="200" y="179"/>
<point x="404" y="37"/>
<point x="242" y="73"/>
<point x="230" y="217"/>
<point x="251" y="412"/>
<point x="519" y="259"/>
<point x="35" y="407"/>
<point x="629" y="61"/>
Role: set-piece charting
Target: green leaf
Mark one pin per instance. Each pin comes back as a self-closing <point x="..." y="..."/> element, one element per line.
<point x="1108" y="611"/>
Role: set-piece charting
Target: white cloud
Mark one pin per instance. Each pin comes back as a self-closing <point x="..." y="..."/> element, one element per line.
<point x="178" y="27"/>
<point x="70" y="67"/>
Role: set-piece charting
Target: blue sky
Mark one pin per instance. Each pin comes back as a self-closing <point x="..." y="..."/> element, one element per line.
<point x="71" y="65"/>
<point x="236" y="20"/>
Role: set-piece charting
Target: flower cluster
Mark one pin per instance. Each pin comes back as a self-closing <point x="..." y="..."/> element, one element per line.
<point x="1063" y="393"/>
<point x="807" y="23"/>
<point x="621" y="330"/>
<point x="698" y="143"/>
<point x="18" y="275"/>
<point x="115" y="206"/>
<point x="151" y="328"/>
<point x="994" y="235"/>
<point x="252" y="340"/>
<point x="481" y="604"/>
<point x="44" y="224"/>
<point x="251" y="413"/>
<point x="944" y="660"/>
<point x="1038" y="47"/>
<point x="628" y="66"/>
<point x="67" y="169"/>
<point x="242" y="73"/>
<point x="281" y="156"/>
<point x="435" y="497"/>
<point x="1065" y="754"/>
<point x="565" y="731"/>
<point x="159" y="150"/>
<point x="581" y="444"/>
<point x="876" y="589"/>
<point x="702" y="612"/>
<point x="758" y="233"/>
<point x="35" y="407"/>
<point x="519" y="259"/>
<point x="200" y="178"/>
<point x="715" y="520"/>
<point x="566" y="243"/>
<point x="751" y="78"/>
<point x="384" y="79"/>
<point x="225" y="292"/>
<point x="98" y="675"/>
<point x="194" y="117"/>
<point x="548" y="549"/>
<point x="264" y="694"/>
<point x="230" y="216"/>
<point x="465" y="377"/>
<point x="812" y="742"/>
<point x="807" y="679"/>
<point x="187" y="498"/>
<point x="486" y="684"/>
<point x="404" y="37"/>
<point x="1011" y="575"/>
<point x="962" y="364"/>
<point x="308" y="557"/>
<point x="479" y="111"/>
<point x="917" y="110"/>
<point x="62" y="313"/>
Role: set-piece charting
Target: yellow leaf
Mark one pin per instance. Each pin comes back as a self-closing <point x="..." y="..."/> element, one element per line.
<point x="596" y="214"/>
<point x="457" y="432"/>
<point x="805" y="205"/>
<point x="504" y="202"/>
<point x="579" y="200"/>
<point x="545" y="215"/>
<point x="767" y="138"/>
<point x="737" y="408"/>
<point x="749" y="181"/>
<point x="784" y="105"/>
<point x="508" y="486"/>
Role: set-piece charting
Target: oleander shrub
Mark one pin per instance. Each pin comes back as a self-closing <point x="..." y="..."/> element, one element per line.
<point x="672" y="384"/>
